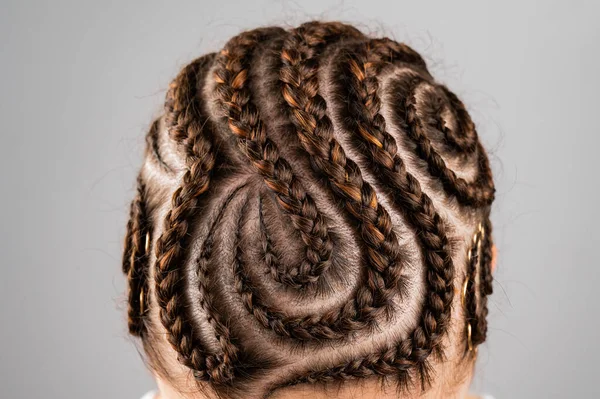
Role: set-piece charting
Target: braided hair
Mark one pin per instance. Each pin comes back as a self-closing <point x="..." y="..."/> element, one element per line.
<point x="307" y="203"/>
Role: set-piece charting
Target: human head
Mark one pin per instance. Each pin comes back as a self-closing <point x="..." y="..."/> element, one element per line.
<point x="313" y="207"/>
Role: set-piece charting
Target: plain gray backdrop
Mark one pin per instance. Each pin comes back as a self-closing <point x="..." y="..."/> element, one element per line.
<point x="81" y="81"/>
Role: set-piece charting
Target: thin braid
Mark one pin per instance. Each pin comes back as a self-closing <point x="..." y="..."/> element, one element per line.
<point x="186" y="123"/>
<point x="152" y="146"/>
<point x="379" y="150"/>
<point x="477" y="193"/>
<point x="221" y="367"/>
<point x="390" y="361"/>
<point x="270" y="257"/>
<point x="486" y="286"/>
<point x="465" y="143"/>
<point x="135" y="260"/>
<point x="470" y="295"/>
<point x="233" y="94"/>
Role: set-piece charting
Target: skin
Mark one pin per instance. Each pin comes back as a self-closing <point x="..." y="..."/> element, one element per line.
<point x="347" y="391"/>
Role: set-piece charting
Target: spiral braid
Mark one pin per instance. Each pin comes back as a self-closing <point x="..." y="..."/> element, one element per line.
<point x="464" y="143"/>
<point x="135" y="260"/>
<point x="186" y="123"/>
<point x="270" y="257"/>
<point x="332" y="325"/>
<point x="478" y="193"/>
<point x="233" y="94"/>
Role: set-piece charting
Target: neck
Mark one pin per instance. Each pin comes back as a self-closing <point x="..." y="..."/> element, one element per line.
<point x="368" y="390"/>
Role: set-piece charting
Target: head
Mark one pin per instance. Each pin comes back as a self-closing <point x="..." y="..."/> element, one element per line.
<point x="311" y="218"/>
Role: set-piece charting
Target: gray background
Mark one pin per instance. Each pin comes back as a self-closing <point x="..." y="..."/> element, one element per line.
<point x="80" y="82"/>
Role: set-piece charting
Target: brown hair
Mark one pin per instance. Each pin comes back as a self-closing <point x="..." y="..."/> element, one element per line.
<point x="307" y="204"/>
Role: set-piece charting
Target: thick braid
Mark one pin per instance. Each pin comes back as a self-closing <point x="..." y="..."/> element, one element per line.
<point x="233" y="94"/>
<point x="359" y="83"/>
<point x="186" y="124"/>
<point x="390" y="52"/>
<point x="135" y="261"/>
<point x="315" y="130"/>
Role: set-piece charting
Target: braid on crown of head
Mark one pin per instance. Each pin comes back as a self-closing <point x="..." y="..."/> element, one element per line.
<point x="357" y="177"/>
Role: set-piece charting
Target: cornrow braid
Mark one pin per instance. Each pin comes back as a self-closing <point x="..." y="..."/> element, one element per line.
<point x="135" y="260"/>
<point x="478" y="283"/>
<point x="271" y="259"/>
<point x="303" y="97"/>
<point x="186" y="123"/>
<point x="371" y="300"/>
<point x="470" y="295"/>
<point x="233" y="94"/>
<point x="478" y="193"/>
<point x="315" y="130"/>
<point x="357" y="81"/>
<point x="304" y="237"/>
<point x="394" y="361"/>
<point x="153" y="146"/>
<point x="222" y="366"/>
<point x="463" y="139"/>
<point x="485" y="282"/>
